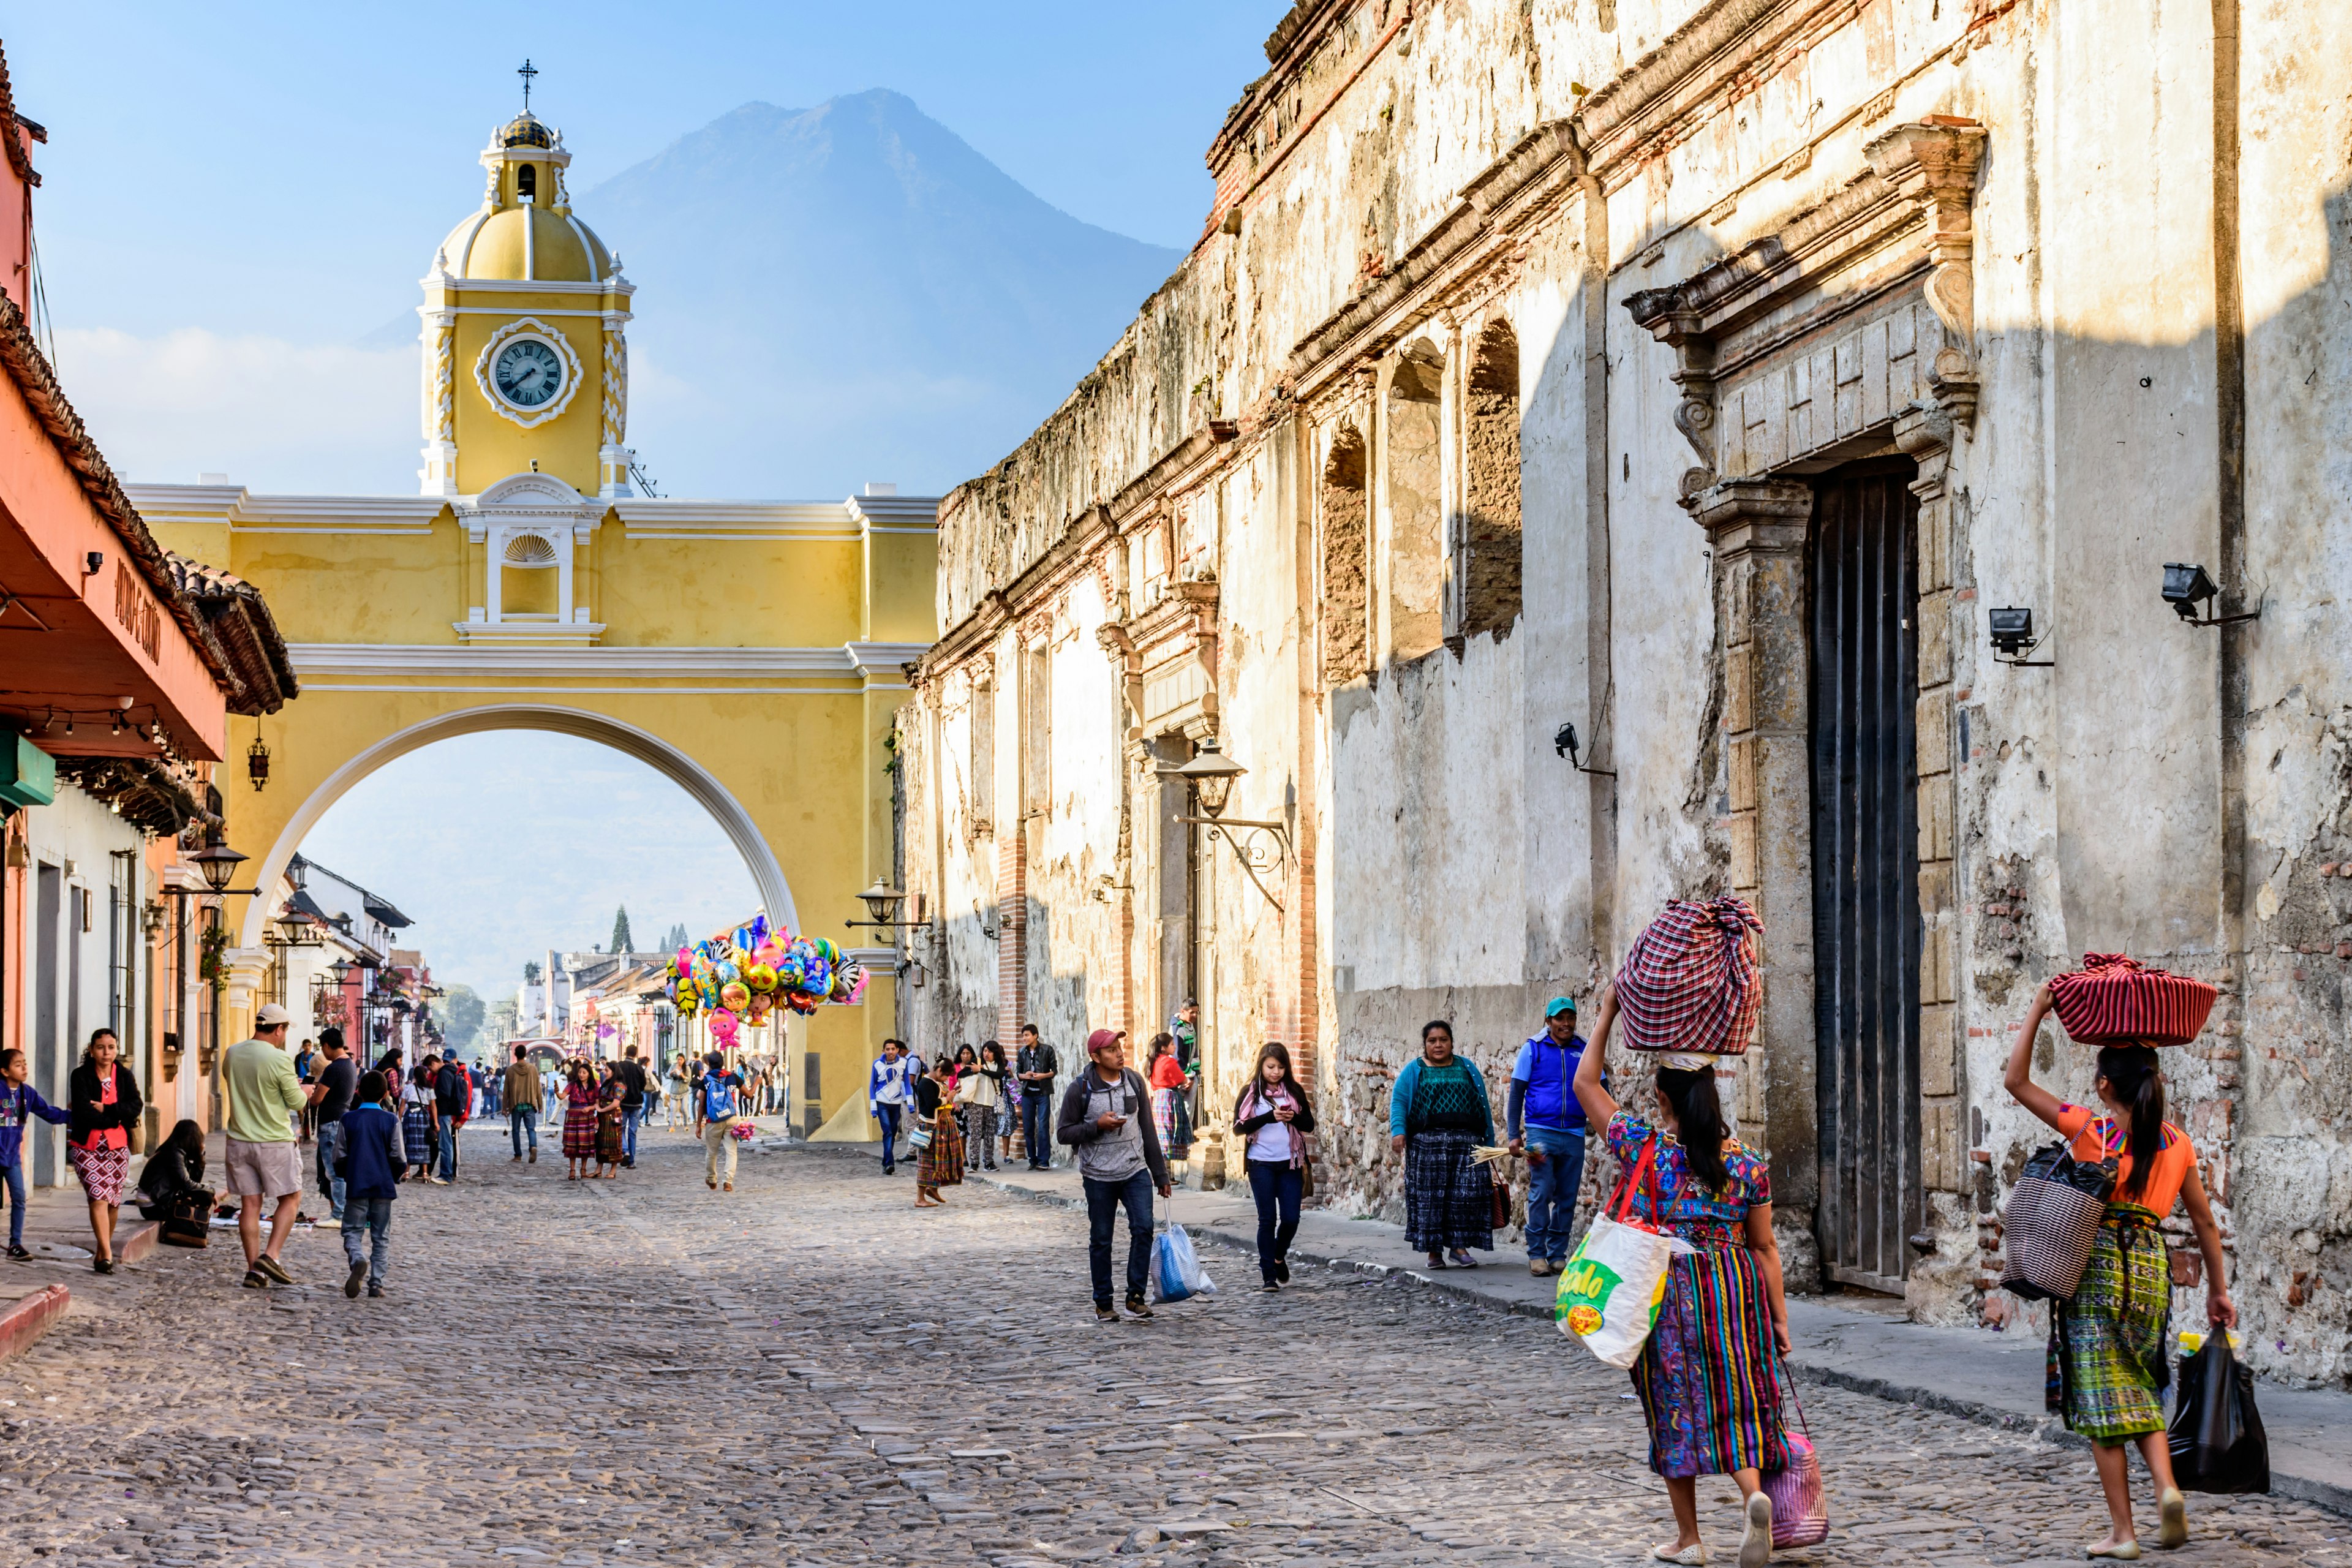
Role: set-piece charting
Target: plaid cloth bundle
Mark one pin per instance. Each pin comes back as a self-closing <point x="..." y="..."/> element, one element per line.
<point x="2114" y="999"/>
<point x="1691" y="984"/>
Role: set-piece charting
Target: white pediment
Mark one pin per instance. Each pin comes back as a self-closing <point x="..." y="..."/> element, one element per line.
<point x="533" y="501"/>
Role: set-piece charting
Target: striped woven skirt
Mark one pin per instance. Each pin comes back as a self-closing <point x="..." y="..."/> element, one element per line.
<point x="2106" y="1367"/>
<point x="1705" y="1373"/>
<point x="1449" y="1198"/>
<point x="416" y="1134"/>
<point x="580" y="1131"/>
<point x="941" y="1162"/>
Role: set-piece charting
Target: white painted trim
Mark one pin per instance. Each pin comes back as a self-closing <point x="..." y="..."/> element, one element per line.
<point x="454" y="284"/>
<point x="872" y="659"/>
<point x="619" y="316"/>
<point x="312" y="660"/>
<point x="241" y="509"/>
<point x="767" y="875"/>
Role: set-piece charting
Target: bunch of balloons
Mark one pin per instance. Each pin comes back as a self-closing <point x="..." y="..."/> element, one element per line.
<point x="741" y="976"/>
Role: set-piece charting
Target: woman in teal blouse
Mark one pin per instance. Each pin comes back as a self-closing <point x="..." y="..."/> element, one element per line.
<point x="1438" y="1114"/>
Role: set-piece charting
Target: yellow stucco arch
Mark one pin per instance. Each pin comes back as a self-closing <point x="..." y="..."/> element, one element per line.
<point x="665" y="758"/>
<point x="754" y="651"/>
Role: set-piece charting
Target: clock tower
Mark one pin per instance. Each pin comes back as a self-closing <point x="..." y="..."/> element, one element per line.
<point x="526" y="363"/>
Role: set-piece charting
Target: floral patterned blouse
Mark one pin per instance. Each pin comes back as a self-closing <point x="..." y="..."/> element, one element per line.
<point x="1749" y="1182"/>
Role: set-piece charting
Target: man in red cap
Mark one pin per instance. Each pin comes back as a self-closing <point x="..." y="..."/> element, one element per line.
<point x="1106" y="1118"/>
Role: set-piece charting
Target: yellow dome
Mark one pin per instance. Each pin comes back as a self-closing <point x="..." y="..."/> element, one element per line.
<point x="524" y="231"/>
<point x="526" y="242"/>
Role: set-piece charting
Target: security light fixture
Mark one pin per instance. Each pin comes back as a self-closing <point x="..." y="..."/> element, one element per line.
<point x="2012" y="635"/>
<point x="2186" y="584"/>
<point x="2013" y="630"/>
<point x="1212" y="774"/>
<point x="1563" y="745"/>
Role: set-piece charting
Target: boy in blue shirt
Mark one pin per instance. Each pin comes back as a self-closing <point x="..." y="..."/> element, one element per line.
<point x="1553" y="1140"/>
<point x="371" y="1164"/>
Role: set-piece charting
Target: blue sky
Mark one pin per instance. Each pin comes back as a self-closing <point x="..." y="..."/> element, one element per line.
<point x="287" y="169"/>
<point x="235" y="194"/>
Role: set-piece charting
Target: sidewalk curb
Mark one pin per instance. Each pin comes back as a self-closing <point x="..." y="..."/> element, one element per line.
<point x="134" y="1242"/>
<point x="2046" y="1429"/>
<point x="30" y="1317"/>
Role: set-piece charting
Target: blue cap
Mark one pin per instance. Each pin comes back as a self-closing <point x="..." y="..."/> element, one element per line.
<point x="1558" y="1005"/>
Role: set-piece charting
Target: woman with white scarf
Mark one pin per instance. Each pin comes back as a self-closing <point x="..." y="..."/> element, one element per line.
<point x="1273" y="1115"/>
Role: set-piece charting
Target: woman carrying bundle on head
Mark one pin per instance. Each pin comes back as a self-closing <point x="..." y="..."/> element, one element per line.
<point x="1705" y="1376"/>
<point x="2108" y="1371"/>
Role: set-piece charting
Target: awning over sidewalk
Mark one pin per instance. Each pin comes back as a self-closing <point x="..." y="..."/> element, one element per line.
<point x="102" y="652"/>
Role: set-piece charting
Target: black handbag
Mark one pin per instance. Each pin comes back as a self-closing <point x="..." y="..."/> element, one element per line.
<point x="2051" y="1220"/>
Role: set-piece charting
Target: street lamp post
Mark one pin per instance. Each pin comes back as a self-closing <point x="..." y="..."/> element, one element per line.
<point x="1259" y="845"/>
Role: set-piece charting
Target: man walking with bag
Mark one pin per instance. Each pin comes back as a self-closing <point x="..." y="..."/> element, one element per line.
<point x="1106" y="1118"/>
<point x="1542" y="1083"/>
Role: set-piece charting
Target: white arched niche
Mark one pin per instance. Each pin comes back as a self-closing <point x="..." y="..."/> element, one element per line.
<point x="775" y="893"/>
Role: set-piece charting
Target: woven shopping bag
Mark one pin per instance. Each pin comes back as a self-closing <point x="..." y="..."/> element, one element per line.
<point x="1801" y="1507"/>
<point x="1690" y="982"/>
<point x="1609" y="1292"/>
<point x="2113" y="997"/>
<point x="2051" y="1220"/>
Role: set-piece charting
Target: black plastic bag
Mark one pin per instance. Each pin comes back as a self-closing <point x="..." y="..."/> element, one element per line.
<point x="2216" y="1435"/>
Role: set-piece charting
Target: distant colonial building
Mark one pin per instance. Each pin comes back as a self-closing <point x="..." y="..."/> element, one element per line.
<point x="1576" y="467"/>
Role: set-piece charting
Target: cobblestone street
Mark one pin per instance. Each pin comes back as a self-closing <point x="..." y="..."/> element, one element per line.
<point x="812" y="1372"/>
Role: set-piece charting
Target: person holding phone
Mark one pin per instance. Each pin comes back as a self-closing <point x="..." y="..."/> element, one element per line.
<point x="1105" y="1117"/>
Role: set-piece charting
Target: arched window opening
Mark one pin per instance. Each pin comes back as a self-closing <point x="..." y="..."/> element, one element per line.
<point x="1486" y="534"/>
<point x="527" y="181"/>
<point x="528" y="586"/>
<point x="1347" y="514"/>
<point x="1412" y="481"/>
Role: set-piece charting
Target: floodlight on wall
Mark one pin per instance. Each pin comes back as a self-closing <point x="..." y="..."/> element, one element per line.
<point x="2186" y="584"/>
<point x="2013" y="636"/>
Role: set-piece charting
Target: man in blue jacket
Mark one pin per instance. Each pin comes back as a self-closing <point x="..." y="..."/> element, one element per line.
<point x="1553" y="1140"/>
<point x="371" y="1164"/>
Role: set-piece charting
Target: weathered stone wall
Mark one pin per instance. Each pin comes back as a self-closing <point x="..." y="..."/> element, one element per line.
<point x="1722" y="247"/>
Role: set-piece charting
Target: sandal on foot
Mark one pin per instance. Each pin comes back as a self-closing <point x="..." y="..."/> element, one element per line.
<point x="2172" y="1514"/>
<point x="2121" y="1552"/>
<point x="1693" y="1556"/>
<point x="1756" y="1545"/>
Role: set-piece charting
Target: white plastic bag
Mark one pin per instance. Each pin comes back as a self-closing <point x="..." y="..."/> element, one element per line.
<point x="1176" y="1270"/>
<point x="1610" y="1291"/>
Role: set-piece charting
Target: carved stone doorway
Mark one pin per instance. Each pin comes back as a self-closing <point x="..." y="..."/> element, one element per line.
<point x="1862" y="608"/>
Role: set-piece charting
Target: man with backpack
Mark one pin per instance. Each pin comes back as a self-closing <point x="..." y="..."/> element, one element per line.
<point x="718" y="1101"/>
<point x="1106" y="1118"/>
<point x="1553" y="1140"/>
<point x="453" y="1099"/>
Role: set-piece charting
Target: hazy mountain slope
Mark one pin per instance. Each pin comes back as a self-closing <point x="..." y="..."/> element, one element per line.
<point x="846" y="293"/>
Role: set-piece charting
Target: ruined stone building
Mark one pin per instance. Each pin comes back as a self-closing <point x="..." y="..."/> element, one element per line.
<point x="1700" y="376"/>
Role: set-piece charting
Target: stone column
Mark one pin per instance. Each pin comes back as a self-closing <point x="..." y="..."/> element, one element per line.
<point x="1925" y="432"/>
<point x="1759" y="528"/>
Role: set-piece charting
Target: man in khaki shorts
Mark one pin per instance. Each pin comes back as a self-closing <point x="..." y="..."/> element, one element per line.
<point x="263" y="1095"/>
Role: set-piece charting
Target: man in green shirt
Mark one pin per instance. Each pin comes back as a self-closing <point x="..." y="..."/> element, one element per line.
<point x="263" y="1095"/>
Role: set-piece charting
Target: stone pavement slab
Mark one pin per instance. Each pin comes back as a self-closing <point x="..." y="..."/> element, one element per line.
<point x="1854" y="1342"/>
<point x="810" y="1372"/>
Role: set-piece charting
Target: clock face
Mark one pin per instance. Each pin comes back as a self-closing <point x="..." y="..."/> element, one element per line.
<point x="529" y="373"/>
